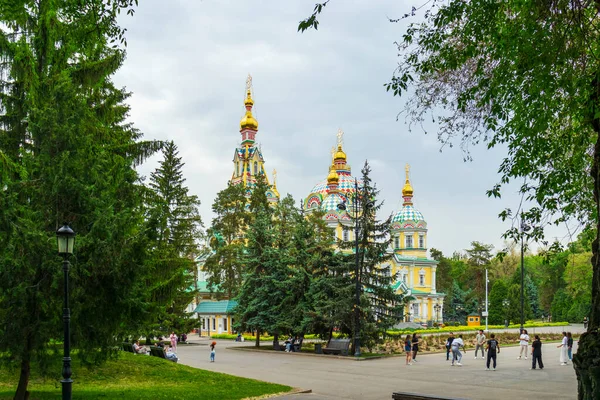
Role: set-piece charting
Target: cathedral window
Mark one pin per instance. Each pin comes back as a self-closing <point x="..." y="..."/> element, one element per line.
<point x="421" y="241"/>
<point x="255" y="168"/>
<point x="415" y="308"/>
<point x="237" y="169"/>
<point x="396" y="242"/>
<point x="405" y="278"/>
<point x="422" y="278"/>
<point x="346" y="234"/>
<point x="409" y="242"/>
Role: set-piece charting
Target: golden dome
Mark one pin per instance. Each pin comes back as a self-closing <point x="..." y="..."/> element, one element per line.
<point x="340" y="155"/>
<point x="248" y="121"/>
<point x="407" y="190"/>
<point x="248" y="101"/>
<point x="333" y="176"/>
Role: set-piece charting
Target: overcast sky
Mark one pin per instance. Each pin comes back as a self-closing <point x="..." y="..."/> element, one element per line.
<point x="187" y="63"/>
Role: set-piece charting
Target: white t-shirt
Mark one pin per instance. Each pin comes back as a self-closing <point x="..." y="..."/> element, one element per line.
<point x="457" y="343"/>
<point x="565" y="341"/>
<point x="524" y="339"/>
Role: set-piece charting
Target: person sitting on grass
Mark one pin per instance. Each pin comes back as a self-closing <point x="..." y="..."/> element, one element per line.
<point x="139" y="349"/>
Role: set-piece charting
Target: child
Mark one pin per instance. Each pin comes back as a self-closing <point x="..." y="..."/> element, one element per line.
<point x="408" y="349"/>
<point x="212" y="351"/>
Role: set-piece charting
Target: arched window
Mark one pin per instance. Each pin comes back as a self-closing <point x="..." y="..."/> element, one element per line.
<point x="422" y="241"/>
<point x="396" y="242"/>
<point x="421" y="278"/>
<point x="255" y="168"/>
<point x="409" y="241"/>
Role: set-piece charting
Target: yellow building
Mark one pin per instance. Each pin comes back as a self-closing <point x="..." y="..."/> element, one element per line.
<point x="415" y="272"/>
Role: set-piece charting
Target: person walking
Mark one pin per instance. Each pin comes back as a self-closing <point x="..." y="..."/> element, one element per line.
<point x="570" y="346"/>
<point x="536" y="353"/>
<point x="449" y="345"/>
<point x="212" y="351"/>
<point x="408" y="349"/>
<point x="173" y="338"/>
<point x="480" y="344"/>
<point x="415" y="347"/>
<point x="563" y="351"/>
<point x="523" y="341"/>
<point x="493" y="348"/>
<point x="456" y="354"/>
<point x="585" y="323"/>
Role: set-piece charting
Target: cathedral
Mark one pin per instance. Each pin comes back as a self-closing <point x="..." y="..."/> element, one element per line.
<point x="415" y="272"/>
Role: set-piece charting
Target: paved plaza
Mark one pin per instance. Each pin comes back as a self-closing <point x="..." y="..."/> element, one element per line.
<point x="338" y="378"/>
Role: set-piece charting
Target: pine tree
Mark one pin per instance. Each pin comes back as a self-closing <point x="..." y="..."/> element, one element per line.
<point x="174" y="225"/>
<point x="498" y="294"/>
<point x="224" y="266"/>
<point x="380" y="307"/>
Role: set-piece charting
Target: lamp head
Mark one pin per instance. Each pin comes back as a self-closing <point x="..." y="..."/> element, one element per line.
<point x="65" y="238"/>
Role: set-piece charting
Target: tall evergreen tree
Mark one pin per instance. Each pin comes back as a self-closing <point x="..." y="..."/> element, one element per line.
<point x="498" y="294"/>
<point x="227" y="232"/>
<point x="174" y="225"/>
<point x="68" y="155"/>
<point x="380" y="307"/>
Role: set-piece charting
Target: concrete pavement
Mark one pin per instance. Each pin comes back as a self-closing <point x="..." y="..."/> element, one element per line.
<point x="340" y="378"/>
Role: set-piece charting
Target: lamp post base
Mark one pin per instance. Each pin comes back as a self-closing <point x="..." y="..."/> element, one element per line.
<point x="67" y="389"/>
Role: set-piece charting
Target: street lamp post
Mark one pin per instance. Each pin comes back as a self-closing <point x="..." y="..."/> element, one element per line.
<point x="342" y="206"/>
<point x="524" y="228"/>
<point x="459" y="308"/>
<point x="437" y="309"/>
<point x="65" y="238"/>
<point x="506" y="304"/>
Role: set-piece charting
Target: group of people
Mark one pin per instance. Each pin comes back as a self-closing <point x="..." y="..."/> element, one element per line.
<point x="170" y="351"/>
<point x="492" y="347"/>
<point x="292" y="344"/>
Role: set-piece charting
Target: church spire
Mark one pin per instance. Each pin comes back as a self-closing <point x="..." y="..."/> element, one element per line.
<point x="248" y="124"/>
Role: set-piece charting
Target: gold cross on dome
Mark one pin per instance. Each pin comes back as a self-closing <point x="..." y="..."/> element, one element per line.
<point x="274" y="177"/>
<point x="332" y="153"/>
<point x="248" y="82"/>
<point x="340" y="135"/>
<point x="407" y="169"/>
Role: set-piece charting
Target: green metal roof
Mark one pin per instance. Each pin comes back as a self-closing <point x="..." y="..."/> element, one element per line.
<point x="216" y="307"/>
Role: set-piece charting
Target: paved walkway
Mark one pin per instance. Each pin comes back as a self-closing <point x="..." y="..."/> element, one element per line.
<point x="339" y="378"/>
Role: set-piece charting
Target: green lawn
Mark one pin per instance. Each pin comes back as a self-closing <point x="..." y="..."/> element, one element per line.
<point x="139" y="377"/>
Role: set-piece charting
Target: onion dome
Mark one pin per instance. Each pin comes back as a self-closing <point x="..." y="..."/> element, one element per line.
<point x="248" y="121"/>
<point x="407" y="190"/>
<point x="333" y="176"/>
<point x="339" y="155"/>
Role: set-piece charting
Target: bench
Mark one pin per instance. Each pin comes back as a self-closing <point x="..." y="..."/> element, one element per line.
<point x="337" y="346"/>
<point x="128" y="347"/>
<point x="418" y="396"/>
<point x="294" y="347"/>
<point x="160" y="353"/>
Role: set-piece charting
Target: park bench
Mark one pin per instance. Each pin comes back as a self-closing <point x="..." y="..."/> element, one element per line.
<point x="128" y="347"/>
<point x="337" y="346"/>
<point x="418" y="396"/>
<point x="160" y="353"/>
<point x="295" y="347"/>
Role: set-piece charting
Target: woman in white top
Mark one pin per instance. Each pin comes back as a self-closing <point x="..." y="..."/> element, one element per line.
<point x="523" y="342"/>
<point x="563" y="351"/>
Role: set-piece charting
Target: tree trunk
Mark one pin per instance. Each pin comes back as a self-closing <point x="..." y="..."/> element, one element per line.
<point x="22" y="392"/>
<point x="276" y="342"/>
<point x="257" y="343"/>
<point x="587" y="359"/>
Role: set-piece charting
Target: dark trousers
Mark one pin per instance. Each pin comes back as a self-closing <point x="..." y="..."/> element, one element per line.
<point x="491" y="356"/>
<point x="537" y="357"/>
<point x="447" y="353"/>
<point x="414" y="355"/>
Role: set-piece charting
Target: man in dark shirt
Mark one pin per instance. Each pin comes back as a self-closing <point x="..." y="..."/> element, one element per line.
<point x="493" y="347"/>
<point x="536" y="352"/>
<point x="449" y="345"/>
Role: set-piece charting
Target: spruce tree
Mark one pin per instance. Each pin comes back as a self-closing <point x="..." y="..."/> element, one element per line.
<point x="67" y="155"/>
<point x="498" y="294"/>
<point x="380" y="307"/>
<point x="227" y="232"/>
<point x="174" y="225"/>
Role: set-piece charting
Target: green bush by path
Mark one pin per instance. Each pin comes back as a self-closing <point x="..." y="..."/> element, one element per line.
<point x="134" y="377"/>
